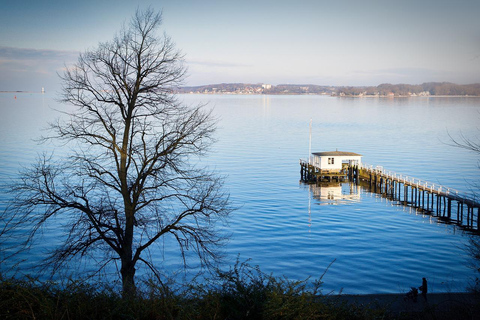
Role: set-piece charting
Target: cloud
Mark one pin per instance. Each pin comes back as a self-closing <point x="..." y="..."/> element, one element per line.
<point x="216" y="64"/>
<point x="398" y="75"/>
<point x="12" y="53"/>
<point x="28" y="69"/>
<point x="399" y="72"/>
<point x="34" y="60"/>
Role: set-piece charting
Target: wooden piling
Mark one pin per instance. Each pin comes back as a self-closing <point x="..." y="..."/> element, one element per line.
<point x="449" y="210"/>
<point x="428" y="201"/>
<point x="478" y="219"/>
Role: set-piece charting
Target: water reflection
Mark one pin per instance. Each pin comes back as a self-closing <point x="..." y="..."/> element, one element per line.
<point x="335" y="193"/>
<point x="427" y="216"/>
<point x="331" y="193"/>
<point x="376" y="242"/>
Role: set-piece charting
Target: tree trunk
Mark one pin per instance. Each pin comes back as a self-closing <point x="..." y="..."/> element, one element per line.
<point x="128" y="280"/>
<point x="128" y="263"/>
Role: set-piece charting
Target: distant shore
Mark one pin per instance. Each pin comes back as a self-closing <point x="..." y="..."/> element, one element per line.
<point x="20" y="91"/>
<point x="299" y="94"/>
<point x="412" y="96"/>
<point x="383" y="90"/>
<point x="331" y="95"/>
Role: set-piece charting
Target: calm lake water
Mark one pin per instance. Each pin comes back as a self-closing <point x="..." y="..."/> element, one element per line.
<point x="292" y="229"/>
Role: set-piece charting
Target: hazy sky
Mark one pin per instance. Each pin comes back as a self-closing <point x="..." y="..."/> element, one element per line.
<point x="300" y="42"/>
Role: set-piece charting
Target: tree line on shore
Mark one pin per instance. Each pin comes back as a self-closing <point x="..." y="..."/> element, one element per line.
<point x="385" y="89"/>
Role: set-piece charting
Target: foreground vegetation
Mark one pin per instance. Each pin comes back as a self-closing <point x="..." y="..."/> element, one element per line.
<point x="241" y="293"/>
<point x="280" y="300"/>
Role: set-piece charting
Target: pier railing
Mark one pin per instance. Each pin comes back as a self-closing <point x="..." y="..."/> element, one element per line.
<point x="412" y="181"/>
<point x="430" y="186"/>
<point x="427" y="196"/>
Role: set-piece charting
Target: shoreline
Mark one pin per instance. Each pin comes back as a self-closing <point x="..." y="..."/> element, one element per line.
<point x="325" y="95"/>
<point x="293" y="94"/>
<point x="396" y="302"/>
<point x="20" y="91"/>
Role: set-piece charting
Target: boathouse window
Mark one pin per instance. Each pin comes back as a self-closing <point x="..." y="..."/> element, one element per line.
<point x="331" y="160"/>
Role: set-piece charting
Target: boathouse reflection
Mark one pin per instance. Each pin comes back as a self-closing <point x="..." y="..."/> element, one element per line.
<point x="334" y="193"/>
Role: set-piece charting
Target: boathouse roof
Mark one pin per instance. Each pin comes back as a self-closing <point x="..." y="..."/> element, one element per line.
<point x="337" y="154"/>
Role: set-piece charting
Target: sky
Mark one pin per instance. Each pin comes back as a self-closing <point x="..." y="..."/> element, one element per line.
<point x="341" y="43"/>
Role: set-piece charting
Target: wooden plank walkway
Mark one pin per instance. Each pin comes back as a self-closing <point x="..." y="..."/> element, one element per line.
<point x="447" y="204"/>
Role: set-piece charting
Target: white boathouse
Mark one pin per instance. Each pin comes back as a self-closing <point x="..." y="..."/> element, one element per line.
<point x="329" y="166"/>
<point x="332" y="161"/>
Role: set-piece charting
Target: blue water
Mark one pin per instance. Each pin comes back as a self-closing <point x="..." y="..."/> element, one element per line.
<point x="288" y="228"/>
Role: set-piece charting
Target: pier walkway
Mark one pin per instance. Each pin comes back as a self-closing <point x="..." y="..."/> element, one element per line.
<point x="447" y="204"/>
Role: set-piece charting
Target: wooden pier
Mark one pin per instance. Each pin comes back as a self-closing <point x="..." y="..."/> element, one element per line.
<point x="311" y="173"/>
<point x="447" y="204"/>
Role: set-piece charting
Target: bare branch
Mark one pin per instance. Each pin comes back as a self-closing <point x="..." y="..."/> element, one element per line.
<point x="128" y="181"/>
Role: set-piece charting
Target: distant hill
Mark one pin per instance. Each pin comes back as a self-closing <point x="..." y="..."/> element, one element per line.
<point x="258" y="88"/>
<point x="385" y="89"/>
<point x="428" y="88"/>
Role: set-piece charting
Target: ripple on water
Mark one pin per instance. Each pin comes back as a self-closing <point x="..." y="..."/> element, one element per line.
<point x="281" y="225"/>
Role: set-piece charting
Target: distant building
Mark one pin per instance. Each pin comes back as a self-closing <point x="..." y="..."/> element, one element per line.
<point x="267" y="86"/>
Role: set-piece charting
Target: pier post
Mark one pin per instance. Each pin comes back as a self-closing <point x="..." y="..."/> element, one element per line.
<point x="428" y="201"/>
<point x="444" y="206"/>
<point x="461" y="216"/>
<point x="438" y="205"/>
<point x="423" y="199"/>
<point x="471" y="216"/>
<point x="449" y="209"/>
<point x="411" y="195"/>
<point x="416" y="196"/>
<point x="458" y="211"/>
<point x="478" y="219"/>
<point x="468" y="215"/>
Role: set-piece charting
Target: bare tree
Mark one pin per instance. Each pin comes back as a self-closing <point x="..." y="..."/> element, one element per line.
<point x="473" y="246"/>
<point x="466" y="143"/>
<point x="471" y="144"/>
<point x="130" y="179"/>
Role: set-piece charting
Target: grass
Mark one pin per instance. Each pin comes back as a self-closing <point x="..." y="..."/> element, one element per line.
<point x="244" y="292"/>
